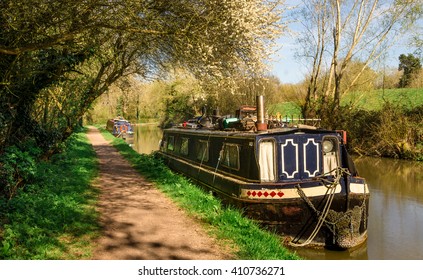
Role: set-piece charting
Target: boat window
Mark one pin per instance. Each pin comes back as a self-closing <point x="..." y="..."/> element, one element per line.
<point x="203" y="150"/>
<point x="231" y="156"/>
<point x="171" y="143"/>
<point x="267" y="161"/>
<point x="184" y="146"/>
<point x="330" y="149"/>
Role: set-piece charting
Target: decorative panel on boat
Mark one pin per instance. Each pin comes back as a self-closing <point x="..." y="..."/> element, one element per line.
<point x="289" y="151"/>
<point x="311" y="158"/>
<point x="300" y="158"/>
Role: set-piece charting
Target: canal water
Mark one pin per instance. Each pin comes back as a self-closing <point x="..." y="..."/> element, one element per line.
<point x="395" y="230"/>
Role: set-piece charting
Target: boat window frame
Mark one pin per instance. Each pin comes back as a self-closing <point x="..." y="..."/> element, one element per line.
<point x="170" y="143"/>
<point x="275" y="158"/>
<point x="181" y="150"/>
<point x="200" y="156"/>
<point x="237" y="168"/>
<point x="337" y="151"/>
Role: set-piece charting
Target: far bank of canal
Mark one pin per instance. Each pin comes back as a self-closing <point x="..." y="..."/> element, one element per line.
<point x="396" y="205"/>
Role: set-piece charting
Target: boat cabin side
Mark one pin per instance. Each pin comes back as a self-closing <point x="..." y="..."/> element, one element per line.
<point x="228" y="154"/>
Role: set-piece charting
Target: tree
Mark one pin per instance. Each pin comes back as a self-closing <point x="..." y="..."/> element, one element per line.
<point x="58" y="57"/>
<point x="83" y="47"/>
<point x="340" y="32"/>
<point x="411" y="66"/>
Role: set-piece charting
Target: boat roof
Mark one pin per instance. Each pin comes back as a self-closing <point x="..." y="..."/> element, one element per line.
<point x="248" y="134"/>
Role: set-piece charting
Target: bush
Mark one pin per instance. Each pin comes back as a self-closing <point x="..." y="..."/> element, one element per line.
<point x="54" y="216"/>
<point x="17" y="167"/>
<point x="393" y="131"/>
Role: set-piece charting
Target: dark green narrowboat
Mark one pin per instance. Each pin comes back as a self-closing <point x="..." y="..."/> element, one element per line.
<point x="295" y="179"/>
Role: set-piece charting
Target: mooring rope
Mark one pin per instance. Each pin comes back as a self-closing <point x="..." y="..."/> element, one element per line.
<point x="321" y="214"/>
<point x="219" y="159"/>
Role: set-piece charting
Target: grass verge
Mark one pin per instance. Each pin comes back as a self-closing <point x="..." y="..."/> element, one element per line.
<point x="54" y="217"/>
<point x="375" y="100"/>
<point x="247" y="238"/>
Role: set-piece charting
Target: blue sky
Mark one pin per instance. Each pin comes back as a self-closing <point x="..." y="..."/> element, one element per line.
<point x="289" y="70"/>
<point x="285" y="66"/>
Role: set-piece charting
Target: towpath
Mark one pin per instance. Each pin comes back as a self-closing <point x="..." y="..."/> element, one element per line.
<point x="139" y="222"/>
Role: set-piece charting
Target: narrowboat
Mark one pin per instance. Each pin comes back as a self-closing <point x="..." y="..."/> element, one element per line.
<point x="294" y="179"/>
<point x="120" y="127"/>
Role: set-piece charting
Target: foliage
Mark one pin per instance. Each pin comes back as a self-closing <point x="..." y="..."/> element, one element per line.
<point x="411" y="66"/>
<point x="182" y="96"/>
<point x="388" y="78"/>
<point x="182" y="100"/>
<point x="393" y="131"/>
<point x="379" y="123"/>
<point x="58" y="57"/>
<point x="384" y="122"/>
<point x="53" y="217"/>
<point x="228" y="224"/>
<point x="18" y="166"/>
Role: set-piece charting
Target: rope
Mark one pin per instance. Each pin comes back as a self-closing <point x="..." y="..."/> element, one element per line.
<point x="218" y="161"/>
<point x="321" y="214"/>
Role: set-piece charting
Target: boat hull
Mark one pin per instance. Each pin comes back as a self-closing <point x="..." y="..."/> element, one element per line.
<point x="296" y="221"/>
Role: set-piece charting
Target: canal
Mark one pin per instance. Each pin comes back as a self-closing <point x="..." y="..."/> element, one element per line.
<point x="395" y="230"/>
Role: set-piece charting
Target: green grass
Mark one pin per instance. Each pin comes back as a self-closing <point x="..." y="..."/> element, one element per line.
<point x="245" y="237"/>
<point x="54" y="217"/>
<point x="373" y="101"/>
<point x="289" y="109"/>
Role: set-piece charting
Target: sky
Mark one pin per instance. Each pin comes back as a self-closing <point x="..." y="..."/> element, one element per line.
<point x="284" y="65"/>
<point x="288" y="69"/>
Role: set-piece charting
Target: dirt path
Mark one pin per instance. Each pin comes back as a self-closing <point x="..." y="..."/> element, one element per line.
<point x="138" y="221"/>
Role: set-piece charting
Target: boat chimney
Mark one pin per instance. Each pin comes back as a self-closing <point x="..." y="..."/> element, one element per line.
<point x="261" y="122"/>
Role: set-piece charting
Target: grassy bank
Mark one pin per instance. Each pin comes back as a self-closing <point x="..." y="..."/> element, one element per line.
<point x="375" y="100"/>
<point x="54" y="216"/>
<point x="385" y="123"/>
<point x="228" y="225"/>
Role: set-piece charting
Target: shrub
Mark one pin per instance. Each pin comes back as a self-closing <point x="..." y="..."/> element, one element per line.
<point x="17" y="167"/>
<point x="393" y="131"/>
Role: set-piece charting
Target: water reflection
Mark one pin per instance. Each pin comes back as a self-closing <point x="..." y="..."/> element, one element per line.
<point x="146" y="138"/>
<point x="396" y="208"/>
<point x="395" y="230"/>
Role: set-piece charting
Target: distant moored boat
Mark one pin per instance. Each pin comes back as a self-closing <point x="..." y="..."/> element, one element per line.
<point x="120" y="127"/>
